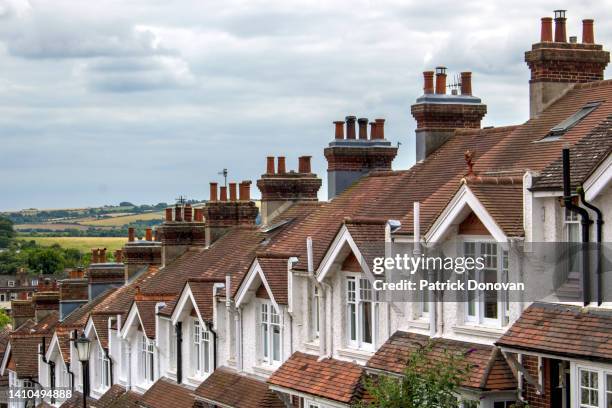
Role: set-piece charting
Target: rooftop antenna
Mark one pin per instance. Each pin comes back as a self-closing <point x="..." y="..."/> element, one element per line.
<point x="224" y="174"/>
<point x="180" y="200"/>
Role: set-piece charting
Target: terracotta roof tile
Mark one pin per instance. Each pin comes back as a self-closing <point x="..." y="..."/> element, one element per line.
<point x="275" y="271"/>
<point x="489" y="370"/>
<point x="504" y="202"/>
<point x="564" y="330"/>
<point x="76" y="401"/>
<point x="107" y="399"/>
<point x="165" y="393"/>
<point x="146" y="311"/>
<point x="25" y="342"/>
<point x="246" y="392"/>
<point x="331" y="379"/>
<point x="202" y="291"/>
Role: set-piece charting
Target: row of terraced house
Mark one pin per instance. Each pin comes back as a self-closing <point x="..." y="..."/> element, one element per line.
<point x="238" y="305"/>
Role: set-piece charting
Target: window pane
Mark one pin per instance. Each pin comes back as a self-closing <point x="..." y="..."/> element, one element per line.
<point x="353" y="322"/>
<point x="206" y="356"/>
<point x="490" y="309"/>
<point x="276" y="343"/>
<point x="471" y="295"/>
<point x="366" y="322"/>
<point x="264" y="340"/>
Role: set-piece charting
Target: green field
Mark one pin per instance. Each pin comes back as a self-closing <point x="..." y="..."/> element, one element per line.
<point x="83" y="244"/>
<point x="123" y="220"/>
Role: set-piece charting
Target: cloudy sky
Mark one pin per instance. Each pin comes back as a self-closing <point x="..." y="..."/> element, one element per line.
<point x="143" y="100"/>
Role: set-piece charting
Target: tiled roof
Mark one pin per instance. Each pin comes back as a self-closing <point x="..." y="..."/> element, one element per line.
<point x="585" y="156"/>
<point x="275" y="272"/>
<point x="504" y="202"/>
<point x="165" y="393"/>
<point x="569" y="331"/>
<point x="107" y="399"/>
<point x="246" y="392"/>
<point x="489" y="370"/>
<point x="369" y="236"/>
<point x="77" y="319"/>
<point x="25" y="342"/>
<point x="202" y="291"/>
<point x="100" y="323"/>
<point x="146" y="311"/>
<point x="331" y="379"/>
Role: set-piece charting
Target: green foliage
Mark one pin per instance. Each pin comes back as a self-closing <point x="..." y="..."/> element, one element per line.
<point x="46" y="260"/>
<point x="424" y="384"/>
<point x="7" y="233"/>
<point x="4" y="319"/>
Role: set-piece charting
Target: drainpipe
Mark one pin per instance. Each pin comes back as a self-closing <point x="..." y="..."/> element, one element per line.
<point x="110" y="366"/>
<point x="585" y="222"/>
<point x="179" y="352"/>
<point x="209" y="326"/>
<point x="51" y="365"/>
<point x="322" y="300"/>
<point x="599" y="233"/>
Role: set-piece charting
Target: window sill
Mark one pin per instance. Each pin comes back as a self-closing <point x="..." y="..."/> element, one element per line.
<point x="312" y="345"/>
<point x="356" y="354"/>
<point x="265" y="370"/>
<point x="421" y="324"/>
<point x="491" y="333"/>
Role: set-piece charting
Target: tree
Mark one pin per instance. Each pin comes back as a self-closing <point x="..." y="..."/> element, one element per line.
<point x="46" y="260"/>
<point x="7" y="233"/>
<point x="4" y="319"/>
<point x="424" y="384"/>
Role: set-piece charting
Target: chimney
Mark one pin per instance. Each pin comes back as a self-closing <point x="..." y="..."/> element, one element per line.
<point x="560" y="33"/>
<point x="132" y="232"/>
<point x="178" y="213"/>
<point x="198" y="215"/>
<point x="350" y="127"/>
<point x="73" y="292"/>
<point x="438" y="118"/>
<point x="466" y="83"/>
<point x="94" y="256"/>
<point x="270" y="165"/>
<point x="223" y="193"/>
<point x="213" y="192"/>
<point x="187" y="214"/>
<point x="339" y="130"/>
<point x="169" y="214"/>
<point x="281" y="165"/>
<point x="557" y="66"/>
<point x="245" y="190"/>
<point x="280" y="191"/>
<point x="348" y="162"/>
<point x="118" y="256"/>
<point x="148" y="234"/>
<point x="546" y="31"/>
<point x="363" y="128"/>
<point x="102" y="255"/>
<point x="103" y="276"/>
<point x="588" y="35"/>
<point x="304" y="164"/>
<point x="232" y="190"/>
<point x="440" y="80"/>
<point x="428" y="82"/>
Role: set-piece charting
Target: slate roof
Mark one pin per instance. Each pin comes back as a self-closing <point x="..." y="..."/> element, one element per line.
<point x="246" y="392"/>
<point x="165" y="393"/>
<point x="489" y="370"/>
<point x="586" y="155"/>
<point x="331" y="379"/>
<point x="562" y="330"/>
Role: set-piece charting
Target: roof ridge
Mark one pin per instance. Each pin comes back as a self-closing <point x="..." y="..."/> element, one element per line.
<point x="593" y="84"/>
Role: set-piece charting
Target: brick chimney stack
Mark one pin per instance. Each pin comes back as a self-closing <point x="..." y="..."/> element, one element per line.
<point x="439" y="114"/>
<point x="558" y="65"/>
<point x="173" y="237"/>
<point x="282" y="189"/>
<point x="348" y="159"/>
<point x="223" y="214"/>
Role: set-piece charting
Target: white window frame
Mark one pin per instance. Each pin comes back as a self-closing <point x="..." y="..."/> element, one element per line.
<point x="316" y="305"/>
<point x="172" y="341"/>
<point x="125" y="358"/>
<point x="270" y="328"/>
<point x="601" y="387"/>
<point x="201" y="348"/>
<point x="11" y="284"/>
<point x="502" y="268"/>
<point x="147" y="359"/>
<point x="358" y="301"/>
<point x="102" y="370"/>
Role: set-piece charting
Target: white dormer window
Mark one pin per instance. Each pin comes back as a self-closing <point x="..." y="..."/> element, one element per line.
<point x="201" y="350"/>
<point x="147" y="352"/>
<point x="270" y="332"/>
<point x="11" y="283"/>
<point x="360" y="313"/>
<point x="172" y="342"/>
<point x="34" y="282"/>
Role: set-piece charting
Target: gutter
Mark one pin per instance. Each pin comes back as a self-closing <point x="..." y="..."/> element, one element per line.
<point x="599" y="233"/>
<point x="585" y="222"/>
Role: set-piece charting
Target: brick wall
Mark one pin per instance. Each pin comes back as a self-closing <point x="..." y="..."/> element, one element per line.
<point x="447" y="116"/>
<point x="359" y="158"/>
<point x="529" y="392"/>
<point x="566" y="63"/>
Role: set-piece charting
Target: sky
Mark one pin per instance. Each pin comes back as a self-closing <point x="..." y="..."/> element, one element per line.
<point x="132" y="100"/>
